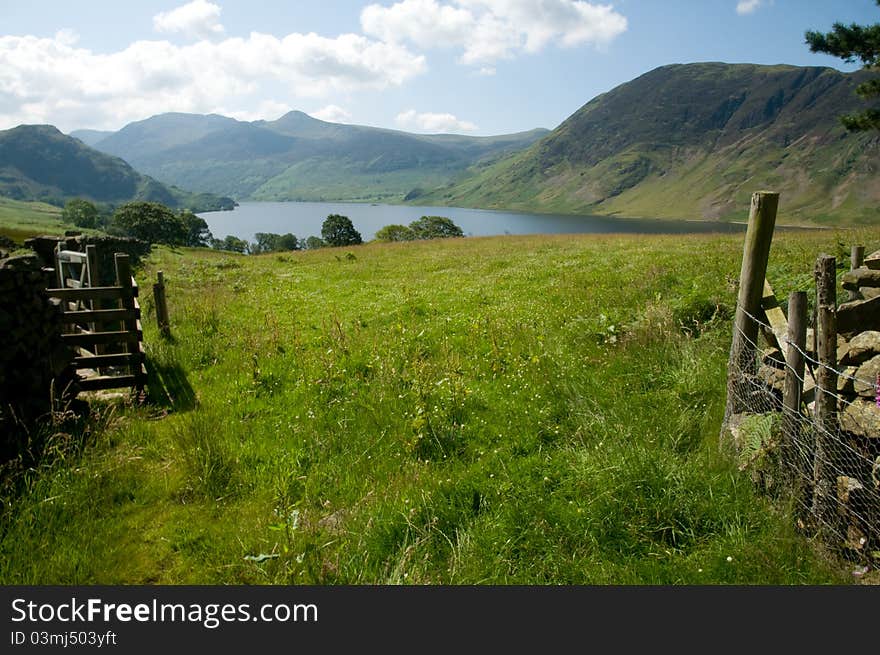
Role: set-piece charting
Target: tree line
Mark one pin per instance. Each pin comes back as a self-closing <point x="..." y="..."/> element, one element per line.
<point x="156" y="223"/>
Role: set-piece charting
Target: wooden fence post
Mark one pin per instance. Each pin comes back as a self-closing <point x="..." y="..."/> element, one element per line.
<point x="92" y="257"/>
<point x="824" y="458"/>
<point x="792" y="447"/>
<point x="856" y="259"/>
<point x="162" y="319"/>
<point x="756" y="251"/>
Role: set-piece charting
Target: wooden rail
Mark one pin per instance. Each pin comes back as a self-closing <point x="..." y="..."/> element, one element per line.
<point x="108" y="340"/>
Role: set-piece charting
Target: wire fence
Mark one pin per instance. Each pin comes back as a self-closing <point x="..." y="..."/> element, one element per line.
<point x="828" y="470"/>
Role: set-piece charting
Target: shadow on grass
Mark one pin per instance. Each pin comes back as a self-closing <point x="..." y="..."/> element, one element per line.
<point x="168" y="386"/>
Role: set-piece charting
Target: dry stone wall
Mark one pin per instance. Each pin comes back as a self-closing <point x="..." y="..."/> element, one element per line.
<point x="34" y="363"/>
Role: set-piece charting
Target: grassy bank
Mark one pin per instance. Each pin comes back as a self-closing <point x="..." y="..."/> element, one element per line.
<point x="535" y="410"/>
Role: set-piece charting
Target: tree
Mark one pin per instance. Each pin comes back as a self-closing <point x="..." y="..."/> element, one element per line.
<point x="395" y="233"/>
<point x="271" y="242"/>
<point x="850" y="43"/>
<point x="231" y="244"/>
<point x="81" y="213"/>
<point x="150" y="221"/>
<point x="197" y="233"/>
<point x="435" y="227"/>
<point x="338" y="230"/>
<point x="313" y="243"/>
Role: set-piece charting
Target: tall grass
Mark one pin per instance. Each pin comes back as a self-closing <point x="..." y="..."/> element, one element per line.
<point x="538" y="410"/>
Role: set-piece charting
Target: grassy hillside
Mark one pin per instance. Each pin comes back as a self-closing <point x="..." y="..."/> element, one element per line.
<point x="538" y="410"/>
<point x="21" y="220"/>
<point x="39" y="163"/>
<point x="694" y="141"/>
<point x="283" y="159"/>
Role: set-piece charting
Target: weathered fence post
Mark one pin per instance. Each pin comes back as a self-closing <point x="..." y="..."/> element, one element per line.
<point x="856" y="259"/>
<point x="756" y="251"/>
<point x="824" y="458"/>
<point x="793" y="390"/>
<point x="161" y="305"/>
<point x="92" y="258"/>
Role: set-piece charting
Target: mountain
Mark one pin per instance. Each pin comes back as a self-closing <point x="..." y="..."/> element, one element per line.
<point x="90" y="137"/>
<point x="694" y="141"/>
<point x="298" y="157"/>
<point x="37" y="162"/>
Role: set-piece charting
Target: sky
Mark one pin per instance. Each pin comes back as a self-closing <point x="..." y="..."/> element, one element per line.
<point x="477" y="67"/>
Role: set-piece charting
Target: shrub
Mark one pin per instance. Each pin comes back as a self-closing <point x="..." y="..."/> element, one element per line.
<point x="435" y="227"/>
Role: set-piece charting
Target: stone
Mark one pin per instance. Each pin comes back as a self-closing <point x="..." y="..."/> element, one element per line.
<point x="858" y="316"/>
<point x="872" y="261"/>
<point x="845" y="382"/>
<point x="861" y="348"/>
<point x="861" y="418"/>
<point x="773" y="377"/>
<point x="867" y="293"/>
<point x="845" y="486"/>
<point x="20" y="263"/>
<point x="860" y="277"/>
<point x="865" y="384"/>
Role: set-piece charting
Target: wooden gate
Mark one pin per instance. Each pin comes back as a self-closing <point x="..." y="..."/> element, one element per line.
<point x="102" y="324"/>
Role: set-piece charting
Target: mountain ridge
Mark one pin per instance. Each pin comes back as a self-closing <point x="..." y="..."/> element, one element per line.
<point x="39" y="162"/>
<point x="694" y="141"/>
<point x="298" y="157"/>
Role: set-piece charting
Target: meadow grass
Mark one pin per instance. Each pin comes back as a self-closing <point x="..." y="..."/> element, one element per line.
<point x="508" y="410"/>
<point x="21" y="220"/>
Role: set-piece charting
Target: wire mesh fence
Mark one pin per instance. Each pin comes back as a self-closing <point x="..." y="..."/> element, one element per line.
<point x="828" y="469"/>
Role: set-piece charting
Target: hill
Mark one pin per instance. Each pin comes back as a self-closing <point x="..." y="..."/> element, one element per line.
<point x="90" y="137"/>
<point x="38" y="162"/>
<point x="298" y="157"/>
<point x="694" y="141"/>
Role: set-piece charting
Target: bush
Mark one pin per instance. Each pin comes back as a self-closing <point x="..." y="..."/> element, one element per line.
<point x="435" y="227"/>
<point x="395" y="233"/>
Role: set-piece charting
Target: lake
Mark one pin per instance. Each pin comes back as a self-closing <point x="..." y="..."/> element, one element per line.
<point x="304" y="219"/>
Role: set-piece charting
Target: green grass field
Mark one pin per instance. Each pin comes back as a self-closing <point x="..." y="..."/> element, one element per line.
<point x="535" y="410"/>
<point x="22" y="220"/>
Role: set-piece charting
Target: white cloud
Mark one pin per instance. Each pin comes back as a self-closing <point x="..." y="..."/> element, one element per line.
<point x="332" y="114"/>
<point x="50" y="80"/>
<point x="199" y="19"/>
<point x="490" y="30"/>
<point x="744" y="7"/>
<point x="432" y="123"/>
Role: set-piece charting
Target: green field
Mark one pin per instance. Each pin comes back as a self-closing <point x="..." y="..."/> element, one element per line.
<point x="22" y="220"/>
<point x="536" y="410"/>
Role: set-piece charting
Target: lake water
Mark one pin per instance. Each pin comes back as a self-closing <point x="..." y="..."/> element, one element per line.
<point x="304" y="219"/>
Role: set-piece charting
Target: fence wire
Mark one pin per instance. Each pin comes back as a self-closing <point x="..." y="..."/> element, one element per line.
<point x="828" y="470"/>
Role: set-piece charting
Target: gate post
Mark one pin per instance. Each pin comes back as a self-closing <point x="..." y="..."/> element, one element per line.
<point x="756" y="251"/>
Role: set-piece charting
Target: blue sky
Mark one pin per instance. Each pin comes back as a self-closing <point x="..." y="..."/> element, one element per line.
<point x="467" y="66"/>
